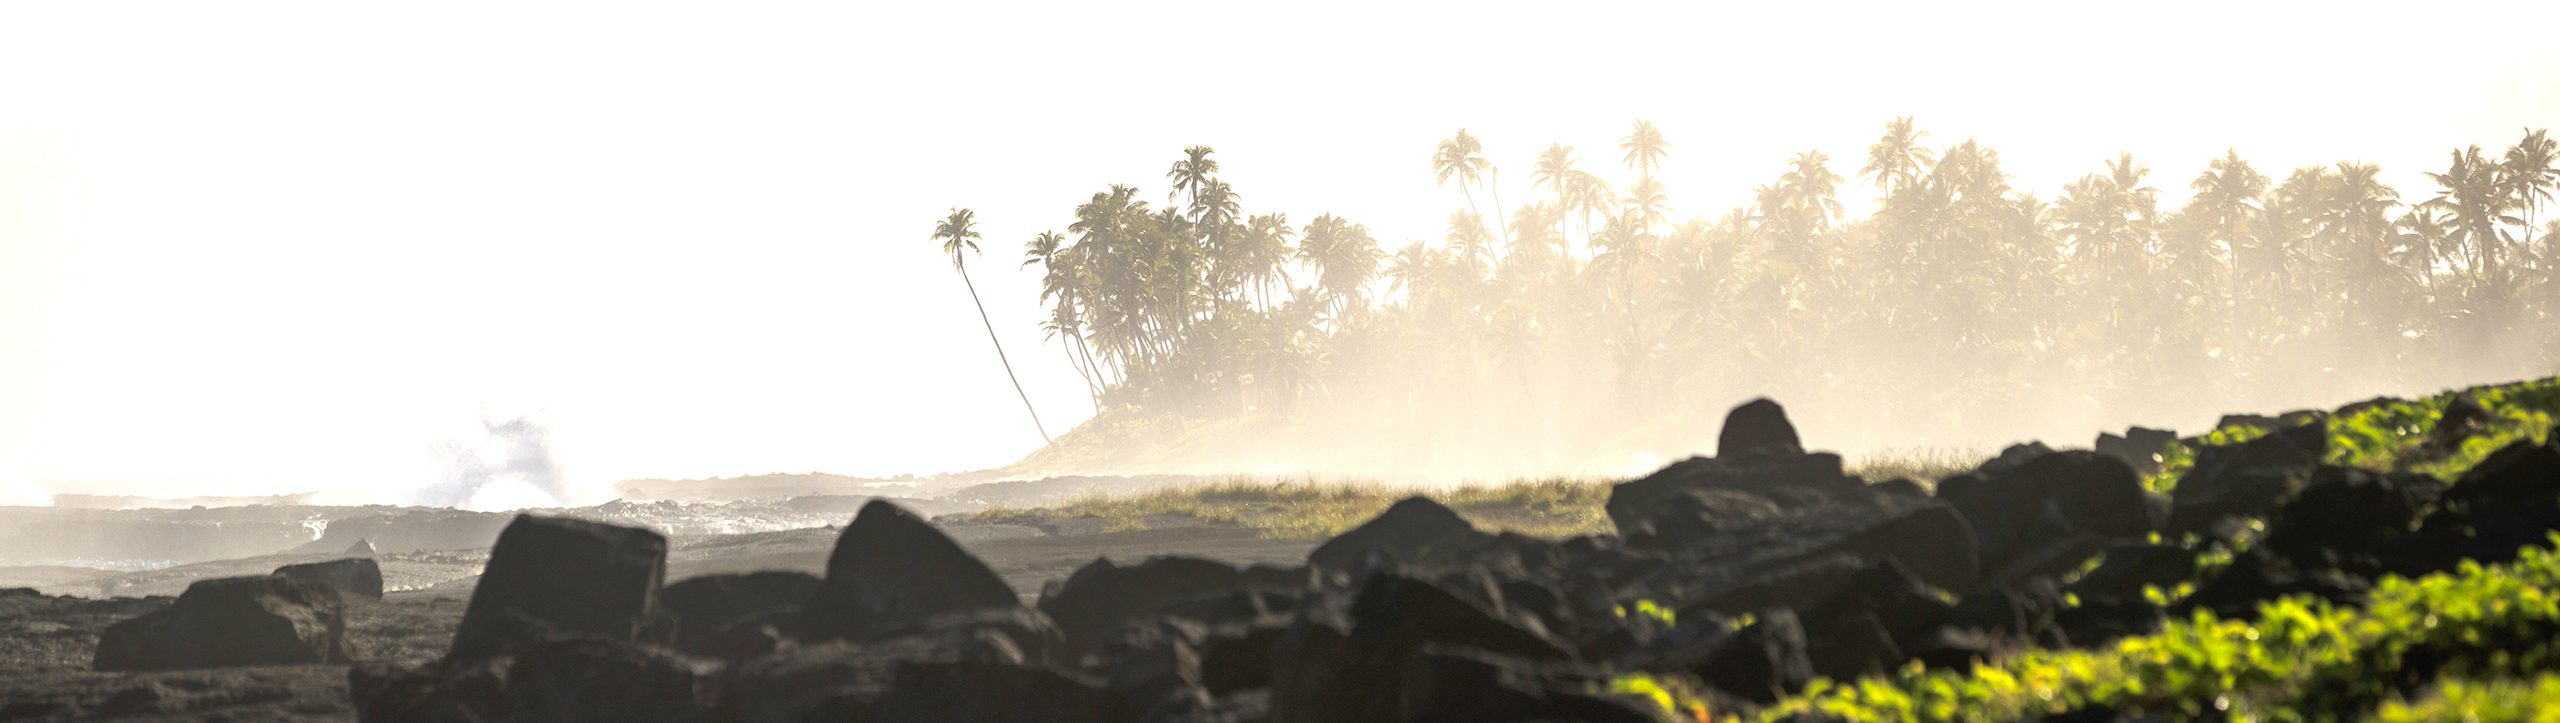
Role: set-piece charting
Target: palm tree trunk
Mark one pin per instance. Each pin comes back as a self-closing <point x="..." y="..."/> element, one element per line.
<point x="1008" y="363"/>
<point x="1500" y="215"/>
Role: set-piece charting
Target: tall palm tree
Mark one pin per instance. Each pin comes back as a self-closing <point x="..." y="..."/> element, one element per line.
<point x="1650" y="204"/>
<point x="2469" y="191"/>
<point x="1897" y="159"/>
<point x="959" y="236"/>
<point x="2531" y="174"/>
<point x="1192" y="172"/>
<point x="1461" y="158"/>
<point x="1472" y="243"/>
<point x="1645" y="149"/>
<point x="1556" y="173"/>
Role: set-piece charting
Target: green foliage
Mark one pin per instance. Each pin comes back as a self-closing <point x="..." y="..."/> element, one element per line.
<point x="1674" y="697"/>
<point x="1650" y="609"/>
<point x="2392" y="436"/>
<point x="2504" y="700"/>
<point x="2302" y="658"/>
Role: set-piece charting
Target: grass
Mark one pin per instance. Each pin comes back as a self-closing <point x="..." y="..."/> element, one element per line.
<point x="1314" y="508"/>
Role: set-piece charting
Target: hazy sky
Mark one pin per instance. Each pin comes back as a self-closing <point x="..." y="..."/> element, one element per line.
<point x="259" y="247"/>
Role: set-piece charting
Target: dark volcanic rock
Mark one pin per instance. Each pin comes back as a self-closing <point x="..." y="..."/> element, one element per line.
<point x="553" y="576"/>
<point x="596" y="680"/>
<point x="710" y="609"/>
<point x="1326" y="668"/>
<point x="1409" y="610"/>
<point x="1759" y="426"/>
<point x="2462" y="418"/>
<point x="840" y="678"/>
<point x="889" y="568"/>
<point x="2258" y="575"/>
<point x="2125" y="569"/>
<point x="1763" y="661"/>
<point x="1465" y="686"/>
<point x="2248" y="479"/>
<point x="2347" y="516"/>
<point x="1092" y="604"/>
<point x="260" y="620"/>
<point x="1925" y="535"/>
<point x="2139" y="447"/>
<point x="2510" y="500"/>
<point x="1852" y="648"/>
<point x="970" y="691"/>
<point x="1409" y="529"/>
<point x="2032" y="510"/>
<point x="1633" y="504"/>
<point x="358" y="576"/>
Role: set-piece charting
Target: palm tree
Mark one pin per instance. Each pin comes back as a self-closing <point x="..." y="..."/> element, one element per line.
<point x="1897" y="159"/>
<point x="2531" y="173"/>
<point x="959" y="236"/>
<point x="1473" y="244"/>
<point x="2470" y="192"/>
<point x="1192" y="172"/>
<point x="1462" y="158"/>
<point x="1345" y="259"/>
<point x="1556" y="173"/>
<point x="1645" y="148"/>
<point x="1650" y="204"/>
<point x="1407" y="268"/>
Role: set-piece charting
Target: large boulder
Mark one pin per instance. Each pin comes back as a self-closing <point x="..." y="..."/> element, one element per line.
<point x="2126" y="568"/>
<point x="992" y="692"/>
<point x="2249" y="479"/>
<point x="1925" y="535"/>
<point x="1762" y="662"/>
<point x="2050" y="510"/>
<point x="260" y="620"/>
<point x="596" y="680"/>
<point x="1329" y="668"/>
<point x="734" y="615"/>
<point x="551" y="576"/>
<point x="1468" y="686"/>
<point x="1409" y="529"/>
<point x="356" y="576"/>
<point x="1093" y="604"/>
<point x="1632" y="505"/>
<point x="1759" y="426"/>
<point x="891" y="568"/>
<point x="2139" y="447"/>
<point x="2508" y="501"/>
<point x="840" y="678"/>
<point x="2346" y="517"/>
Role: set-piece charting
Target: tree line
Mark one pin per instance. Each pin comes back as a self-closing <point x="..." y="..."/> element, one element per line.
<point x="1591" y="304"/>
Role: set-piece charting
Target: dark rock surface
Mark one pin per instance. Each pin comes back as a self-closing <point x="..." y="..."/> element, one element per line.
<point x="354" y="576"/>
<point x="265" y="620"/>
<point x="554" y="577"/>
<point x="890" y="568"/>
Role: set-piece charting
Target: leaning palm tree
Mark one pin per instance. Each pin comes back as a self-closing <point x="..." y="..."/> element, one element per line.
<point x="1461" y="158"/>
<point x="958" y="234"/>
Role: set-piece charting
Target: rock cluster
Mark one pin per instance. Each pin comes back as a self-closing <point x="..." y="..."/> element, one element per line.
<point x="1754" y="571"/>
<point x="295" y="615"/>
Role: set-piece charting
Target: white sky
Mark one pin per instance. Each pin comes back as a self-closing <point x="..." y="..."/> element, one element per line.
<point x="263" y="247"/>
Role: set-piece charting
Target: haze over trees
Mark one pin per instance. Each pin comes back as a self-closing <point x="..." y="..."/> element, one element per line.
<point x="1596" y="318"/>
